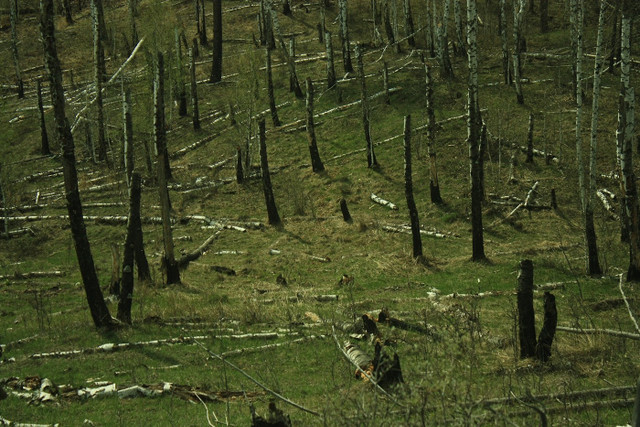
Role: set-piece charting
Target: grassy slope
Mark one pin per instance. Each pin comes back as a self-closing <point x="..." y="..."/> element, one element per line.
<point x="466" y="365"/>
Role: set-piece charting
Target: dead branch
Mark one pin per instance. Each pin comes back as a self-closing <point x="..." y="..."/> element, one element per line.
<point x="383" y="202"/>
<point x="249" y="350"/>
<point x="198" y="252"/>
<point x="633" y="318"/>
<point x="602" y="195"/>
<point x="32" y="275"/>
<point x="611" y="332"/>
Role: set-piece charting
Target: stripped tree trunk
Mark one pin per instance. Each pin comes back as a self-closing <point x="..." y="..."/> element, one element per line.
<point x="97" y="306"/>
<point x="371" y="156"/>
<point x="446" y="69"/>
<point x="98" y="76"/>
<point x="128" y="134"/>
<point x="518" y="16"/>
<point x="434" y="184"/>
<point x="526" y="316"/>
<point x="408" y="191"/>
<point x="544" y="16"/>
<point x="179" y="92"/>
<point x="548" y="332"/>
<point x="322" y="25"/>
<point x="45" y="150"/>
<point x="216" y="68"/>
<point x="169" y="264"/>
<point x="126" y="284"/>
<point x="408" y="23"/>
<point x="272" y="210"/>
<point x="331" y="70"/>
<point x="505" y="49"/>
<point x="460" y="42"/>
<point x="344" y="37"/>
<point x="316" y="162"/>
<point x="13" y="18"/>
<point x="270" y="91"/>
<point x="203" y="25"/>
<point x="474" y="124"/>
<point x="593" y="265"/>
<point x="530" y="140"/>
<point x="625" y="136"/>
<point x="195" y="111"/>
<point x="132" y="22"/>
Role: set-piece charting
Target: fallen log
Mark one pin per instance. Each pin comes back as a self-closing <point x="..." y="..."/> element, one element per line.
<point x="17" y="232"/>
<point x="383" y="202"/>
<point x="602" y="195"/>
<point x="184" y="261"/>
<point x="611" y="332"/>
<point x="32" y="275"/>
<point x="407" y="230"/>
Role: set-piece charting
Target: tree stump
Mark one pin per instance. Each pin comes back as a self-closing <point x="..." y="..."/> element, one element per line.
<point x="526" y="316"/>
<point x="543" y="347"/>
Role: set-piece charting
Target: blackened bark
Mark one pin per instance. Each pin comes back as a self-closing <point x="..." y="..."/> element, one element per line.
<point x="239" y="170"/>
<point x="286" y="8"/>
<point x="67" y="11"/>
<point x="216" y="68"/>
<point x="114" y="283"/>
<point x="345" y="211"/>
<point x="331" y="71"/>
<point x="13" y="18"/>
<point x="316" y="162"/>
<point x="593" y="265"/>
<point x="554" y="201"/>
<point x="128" y="135"/>
<point x="344" y="37"/>
<point x="180" y="90"/>
<point x="126" y="282"/>
<point x="385" y="83"/>
<point x="530" y="140"/>
<point x="545" y="339"/>
<point x="388" y="26"/>
<point x="434" y="184"/>
<point x="544" y="16"/>
<point x="270" y="91"/>
<point x="371" y="155"/>
<point x="526" y="316"/>
<point x="169" y="264"/>
<point x="196" y="3"/>
<point x="99" y="311"/>
<point x="408" y="191"/>
<point x="45" y="150"/>
<point x="408" y="23"/>
<point x="195" y="111"/>
<point x="272" y="210"/>
<point x="203" y="26"/>
<point x="99" y="75"/>
<point x="132" y="23"/>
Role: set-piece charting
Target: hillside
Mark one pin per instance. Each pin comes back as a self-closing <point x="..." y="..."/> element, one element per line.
<point x="271" y="300"/>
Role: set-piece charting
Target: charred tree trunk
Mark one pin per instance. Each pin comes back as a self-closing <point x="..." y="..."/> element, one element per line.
<point x="195" y="111"/>
<point x="530" y="140"/>
<point x="331" y="70"/>
<point x="346" y="216"/>
<point x="13" y="18"/>
<point x="286" y="8"/>
<point x="203" y="26"/>
<point x="128" y="134"/>
<point x="371" y="156"/>
<point x="344" y="37"/>
<point x="180" y="92"/>
<point x="169" y="264"/>
<point x="66" y="5"/>
<point x="97" y="306"/>
<point x="126" y="286"/>
<point x="518" y="16"/>
<point x="446" y="69"/>
<point x="132" y="22"/>
<point x="316" y="162"/>
<point x="548" y="332"/>
<point x="45" y="150"/>
<point x="291" y="65"/>
<point x="98" y="75"/>
<point x="614" y="45"/>
<point x="460" y="42"/>
<point x="408" y="23"/>
<point x="385" y="83"/>
<point x="216" y="68"/>
<point x="526" y="316"/>
<point x="272" y="210"/>
<point x="388" y="25"/>
<point x="505" y="49"/>
<point x="114" y="284"/>
<point x="434" y="184"/>
<point x="408" y="191"/>
<point x="544" y="16"/>
<point x="270" y="91"/>
<point x="239" y="170"/>
<point x="196" y="3"/>
<point x="474" y="125"/>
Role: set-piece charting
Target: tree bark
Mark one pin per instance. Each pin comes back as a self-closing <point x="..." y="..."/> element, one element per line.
<point x="460" y="42"/>
<point x="132" y="22"/>
<point x="180" y="92"/>
<point x="239" y="169"/>
<point x="195" y="111"/>
<point x="126" y="283"/>
<point x="128" y="135"/>
<point x="526" y="316"/>
<point x="544" y="16"/>
<point x="371" y="156"/>
<point x="518" y="16"/>
<point x="344" y="37"/>
<point x="434" y="184"/>
<point x="331" y="71"/>
<point x="45" y="150"/>
<point x="114" y="284"/>
<point x="203" y="25"/>
<point x="505" y="50"/>
<point x="346" y="216"/>
<point x="66" y="5"/>
<point x="388" y="25"/>
<point x="385" y="83"/>
<point x="548" y="332"/>
<point x="272" y="210"/>
<point x="169" y="264"/>
<point x="408" y="23"/>
<point x="474" y="124"/>
<point x="98" y="75"/>
<point x="97" y="306"/>
<point x="316" y="162"/>
<point x="530" y="140"/>
<point x="270" y="91"/>
<point x="13" y="18"/>
<point x="408" y="191"/>
<point x="216" y="68"/>
<point x="446" y="69"/>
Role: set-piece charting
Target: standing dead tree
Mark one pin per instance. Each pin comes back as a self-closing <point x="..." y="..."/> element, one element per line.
<point x="203" y="25"/>
<point x="371" y="155"/>
<point x="331" y="70"/>
<point x="316" y="162"/>
<point x="408" y="23"/>
<point x="99" y="311"/>
<point x="291" y="65"/>
<point x="195" y="111"/>
<point x="169" y="264"/>
<point x="126" y="286"/>
<point x="98" y="74"/>
<point x="179" y="91"/>
<point x="127" y="134"/>
<point x="446" y="69"/>
<point x="529" y="158"/>
<point x="133" y="12"/>
<point x="526" y="315"/>
<point x="216" y="67"/>
<point x="505" y="50"/>
<point x="344" y="36"/>
<point x="408" y="191"/>
<point x="13" y="18"/>
<point x="474" y="140"/>
<point x="270" y="90"/>
<point x="44" y="139"/>
<point x="459" y="47"/>
<point x="434" y="184"/>
<point x="272" y="210"/>
<point x="518" y="16"/>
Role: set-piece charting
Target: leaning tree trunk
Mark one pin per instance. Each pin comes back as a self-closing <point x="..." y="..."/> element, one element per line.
<point x="344" y="36"/>
<point x="128" y="134"/>
<point x="13" y="17"/>
<point x="371" y="155"/>
<point x="216" y="68"/>
<point x="316" y="162"/>
<point x="270" y="91"/>
<point x="526" y="315"/>
<point x="446" y="69"/>
<point x="408" y="191"/>
<point x="505" y="48"/>
<point x="126" y="282"/>
<point x="45" y="150"/>
<point x="474" y="124"/>
<point x="98" y="75"/>
<point x="434" y="184"/>
<point x="97" y="306"/>
<point x="169" y="264"/>
<point x="593" y="264"/>
<point x="272" y="210"/>
<point x="625" y="136"/>
<point x="195" y="111"/>
<point x="518" y="15"/>
<point x="331" y="70"/>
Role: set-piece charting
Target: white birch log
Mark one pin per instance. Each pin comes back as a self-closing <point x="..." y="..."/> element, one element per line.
<point x="383" y="202"/>
<point x="611" y="332"/>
